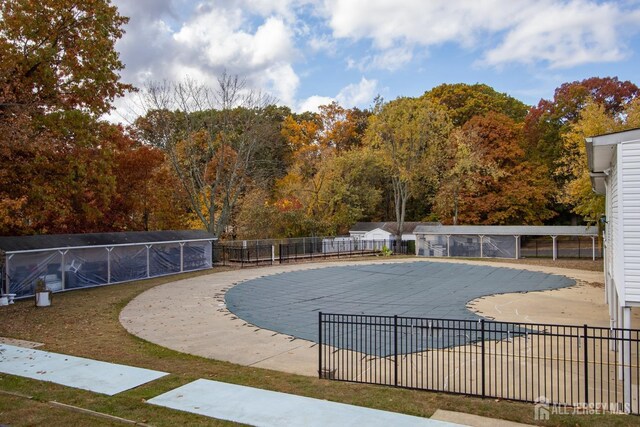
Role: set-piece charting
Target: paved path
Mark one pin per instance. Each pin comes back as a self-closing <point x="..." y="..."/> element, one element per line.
<point x="190" y="316"/>
<point x="209" y="398"/>
<point x="78" y="372"/>
<point x="272" y="409"/>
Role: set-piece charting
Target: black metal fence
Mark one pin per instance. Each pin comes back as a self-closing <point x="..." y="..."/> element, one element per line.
<point x="260" y="254"/>
<point x="243" y="256"/>
<point x="337" y="249"/>
<point x="577" y="366"/>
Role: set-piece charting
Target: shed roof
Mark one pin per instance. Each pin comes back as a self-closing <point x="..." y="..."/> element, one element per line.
<point x="509" y="230"/>
<point x="390" y="227"/>
<point x="600" y="151"/>
<point x="51" y="241"/>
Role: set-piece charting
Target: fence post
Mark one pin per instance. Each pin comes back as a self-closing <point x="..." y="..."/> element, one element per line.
<point x="482" y="357"/>
<point x="320" y="344"/>
<point x="395" y="350"/>
<point x="586" y="366"/>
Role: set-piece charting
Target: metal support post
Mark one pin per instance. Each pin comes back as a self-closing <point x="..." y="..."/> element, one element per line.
<point x="555" y="247"/>
<point x="62" y="268"/>
<point x="148" y="261"/>
<point x="109" y="264"/>
<point x="181" y="256"/>
<point x="626" y="358"/>
<point x="7" y="283"/>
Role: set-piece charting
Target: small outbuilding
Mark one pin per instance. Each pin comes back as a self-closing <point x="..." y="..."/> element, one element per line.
<point x="505" y="241"/>
<point x="71" y="261"/>
<point x="385" y="231"/>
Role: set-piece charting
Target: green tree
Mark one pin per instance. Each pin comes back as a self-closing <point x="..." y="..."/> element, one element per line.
<point x="594" y="119"/>
<point x="409" y="135"/>
<point x="464" y="101"/>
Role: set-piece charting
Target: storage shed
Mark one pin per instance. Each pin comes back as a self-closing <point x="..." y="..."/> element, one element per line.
<point x="386" y="231"/>
<point x="503" y="241"/>
<point x="70" y="261"/>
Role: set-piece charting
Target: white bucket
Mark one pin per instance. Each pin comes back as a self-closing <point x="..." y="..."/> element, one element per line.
<point x="4" y="300"/>
<point x="43" y="299"/>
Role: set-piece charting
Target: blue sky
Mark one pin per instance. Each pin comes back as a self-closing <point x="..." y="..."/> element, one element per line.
<point x="308" y="53"/>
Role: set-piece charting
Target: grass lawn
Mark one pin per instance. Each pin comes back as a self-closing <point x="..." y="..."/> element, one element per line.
<point x="85" y="323"/>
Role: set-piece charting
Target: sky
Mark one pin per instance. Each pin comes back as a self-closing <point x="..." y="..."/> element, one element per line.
<point x="308" y="53"/>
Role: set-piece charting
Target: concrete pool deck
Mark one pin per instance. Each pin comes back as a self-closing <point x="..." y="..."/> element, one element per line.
<point x="190" y="315"/>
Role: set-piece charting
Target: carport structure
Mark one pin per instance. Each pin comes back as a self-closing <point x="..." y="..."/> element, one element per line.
<point x="493" y="241"/>
<point x="70" y="261"/>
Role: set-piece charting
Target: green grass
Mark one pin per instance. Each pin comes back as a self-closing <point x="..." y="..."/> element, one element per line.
<point x="85" y="323"/>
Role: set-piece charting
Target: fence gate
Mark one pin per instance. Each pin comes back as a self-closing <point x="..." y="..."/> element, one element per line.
<point x="574" y="366"/>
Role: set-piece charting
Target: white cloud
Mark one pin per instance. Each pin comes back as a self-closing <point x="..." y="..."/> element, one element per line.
<point x="324" y="43"/>
<point x="559" y="33"/>
<point x="391" y="59"/>
<point x="564" y="35"/>
<point x="313" y="102"/>
<point x="255" y="39"/>
<point x="358" y="94"/>
<point x="354" y="95"/>
<point x="417" y="21"/>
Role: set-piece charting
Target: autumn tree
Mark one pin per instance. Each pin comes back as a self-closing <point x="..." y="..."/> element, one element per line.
<point x="210" y="136"/>
<point x="409" y="135"/>
<point x="594" y="119"/>
<point x="320" y="144"/>
<point x="550" y="119"/>
<point x="464" y="163"/>
<point x="58" y="74"/>
<point x="464" y="101"/>
<point x="496" y="185"/>
<point x="147" y="193"/>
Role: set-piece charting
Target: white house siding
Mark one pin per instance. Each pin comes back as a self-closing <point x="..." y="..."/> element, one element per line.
<point x="630" y="215"/>
<point x="614" y="268"/>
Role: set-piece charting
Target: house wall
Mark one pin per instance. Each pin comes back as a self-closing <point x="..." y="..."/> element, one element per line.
<point x="613" y="267"/>
<point x="629" y="215"/>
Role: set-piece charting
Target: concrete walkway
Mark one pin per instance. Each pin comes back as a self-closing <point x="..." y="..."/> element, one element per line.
<point x="78" y="372"/>
<point x="190" y="316"/>
<point x="209" y="398"/>
<point x="272" y="409"/>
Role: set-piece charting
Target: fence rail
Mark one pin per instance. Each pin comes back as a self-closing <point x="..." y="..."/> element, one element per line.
<point x="312" y="249"/>
<point x="577" y="366"/>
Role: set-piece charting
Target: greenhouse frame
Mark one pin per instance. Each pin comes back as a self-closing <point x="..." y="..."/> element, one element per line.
<point x="504" y="241"/>
<point x="75" y="261"/>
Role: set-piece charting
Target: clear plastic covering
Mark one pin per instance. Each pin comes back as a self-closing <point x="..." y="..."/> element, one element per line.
<point x="507" y="246"/>
<point x="164" y="259"/>
<point x="128" y="263"/>
<point x="433" y="245"/>
<point x="197" y="255"/>
<point x="24" y="269"/>
<point x="464" y="246"/>
<point x="83" y="267"/>
<point x="499" y="246"/>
